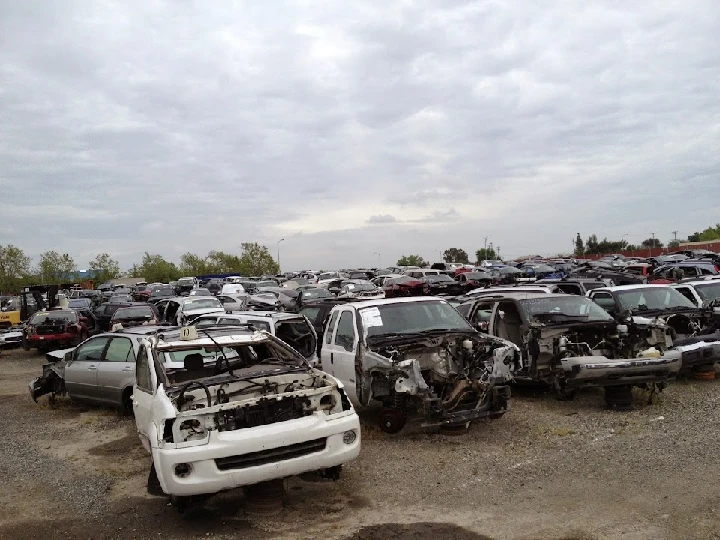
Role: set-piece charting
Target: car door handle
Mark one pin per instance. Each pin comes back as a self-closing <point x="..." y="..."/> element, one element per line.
<point x="332" y="358"/>
<point x="128" y="369"/>
<point x="92" y="368"/>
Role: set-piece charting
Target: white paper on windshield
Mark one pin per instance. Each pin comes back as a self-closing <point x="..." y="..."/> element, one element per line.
<point x="371" y="317"/>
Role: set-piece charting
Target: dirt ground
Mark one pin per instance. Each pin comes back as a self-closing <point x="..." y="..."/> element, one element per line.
<point x="546" y="470"/>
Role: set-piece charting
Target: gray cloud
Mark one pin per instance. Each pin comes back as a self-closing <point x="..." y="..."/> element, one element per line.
<point x="134" y="126"/>
<point x="380" y="219"/>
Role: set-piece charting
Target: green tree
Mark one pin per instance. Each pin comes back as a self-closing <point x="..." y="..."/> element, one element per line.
<point x="709" y="234"/>
<point x="411" y="260"/>
<point x="224" y="263"/>
<point x="104" y="268"/>
<point x="579" y="246"/>
<point x="194" y="265"/>
<point x="456" y="255"/>
<point x="55" y="268"/>
<point x="591" y="246"/>
<point x="14" y="268"/>
<point x="256" y="260"/>
<point x="674" y="244"/>
<point x="632" y="247"/>
<point x="154" y="268"/>
<point x="485" y="254"/>
<point x="652" y="243"/>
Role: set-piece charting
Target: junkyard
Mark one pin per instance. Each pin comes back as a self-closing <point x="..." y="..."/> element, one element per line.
<point x="450" y="449"/>
<point x="406" y="270"/>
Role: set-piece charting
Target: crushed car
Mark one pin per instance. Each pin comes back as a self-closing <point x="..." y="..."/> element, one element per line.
<point x="418" y="355"/>
<point x="568" y="343"/>
<point x="226" y="407"/>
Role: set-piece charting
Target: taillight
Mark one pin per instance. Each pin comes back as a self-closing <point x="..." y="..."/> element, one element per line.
<point x="717" y="268"/>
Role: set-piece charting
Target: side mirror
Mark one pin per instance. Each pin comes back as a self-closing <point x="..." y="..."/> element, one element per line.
<point x="482" y="326"/>
<point x="68" y="356"/>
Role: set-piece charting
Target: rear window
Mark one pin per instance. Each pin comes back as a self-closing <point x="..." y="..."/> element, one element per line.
<point x="134" y="313"/>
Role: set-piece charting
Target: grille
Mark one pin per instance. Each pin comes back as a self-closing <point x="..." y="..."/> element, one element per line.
<point x="255" y="459"/>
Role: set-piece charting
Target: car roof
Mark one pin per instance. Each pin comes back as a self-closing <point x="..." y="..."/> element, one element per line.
<point x="519" y="294"/>
<point x="631" y="287"/>
<point x="388" y="301"/>
<point x="260" y="314"/>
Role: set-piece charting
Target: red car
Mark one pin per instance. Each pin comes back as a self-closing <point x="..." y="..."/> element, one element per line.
<point x="405" y="286"/>
<point x="57" y="329"/>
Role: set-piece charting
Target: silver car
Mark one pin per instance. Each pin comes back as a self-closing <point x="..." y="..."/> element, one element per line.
<point x="100" y="371"/>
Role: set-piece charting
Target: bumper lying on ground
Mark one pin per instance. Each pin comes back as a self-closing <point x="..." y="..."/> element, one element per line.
<point x="233" y="459"/>
<point x="584" y="371"/>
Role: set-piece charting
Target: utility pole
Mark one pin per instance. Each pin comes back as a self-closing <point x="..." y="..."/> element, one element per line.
<point x="278" y="253"/>
<point x="675" y="235"/>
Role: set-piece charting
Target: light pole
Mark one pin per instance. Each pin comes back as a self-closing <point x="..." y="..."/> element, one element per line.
<point x="278" y="253"/>
<point x="379" y="265"/>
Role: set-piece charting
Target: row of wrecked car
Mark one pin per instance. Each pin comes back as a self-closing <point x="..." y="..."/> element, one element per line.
<point x="228" y="399"/>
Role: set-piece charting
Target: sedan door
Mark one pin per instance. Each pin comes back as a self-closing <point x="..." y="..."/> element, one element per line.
<point x="116" y="372"/>
<point x="81" y="372"/>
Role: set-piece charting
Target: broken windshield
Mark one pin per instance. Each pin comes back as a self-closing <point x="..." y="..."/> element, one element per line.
<point x="192" y="363"/>
<point x="558" y="307"/>
<point x="708" y="291"/>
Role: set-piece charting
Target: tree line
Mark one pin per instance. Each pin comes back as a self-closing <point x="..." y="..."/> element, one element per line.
<point x="593" y="246"/>
<point x="17" y="270"/>
<point x="451" y="255"/>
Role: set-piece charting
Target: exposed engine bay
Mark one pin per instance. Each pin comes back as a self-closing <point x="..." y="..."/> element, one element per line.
<point x="450" y="379"/>
<point x="225" y="404"/>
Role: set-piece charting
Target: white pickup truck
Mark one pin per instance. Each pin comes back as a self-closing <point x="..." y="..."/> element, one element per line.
<point x="224" y="407"/>
<point x="417" y="355"/>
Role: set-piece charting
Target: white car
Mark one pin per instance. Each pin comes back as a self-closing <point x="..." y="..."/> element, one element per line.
<point x="220" y="409"/>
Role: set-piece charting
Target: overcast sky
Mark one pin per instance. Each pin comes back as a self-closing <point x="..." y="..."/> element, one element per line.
<point x="355" y="128"/>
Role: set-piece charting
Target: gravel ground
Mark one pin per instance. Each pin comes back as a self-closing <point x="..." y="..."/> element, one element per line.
<point x="546" y="470"/>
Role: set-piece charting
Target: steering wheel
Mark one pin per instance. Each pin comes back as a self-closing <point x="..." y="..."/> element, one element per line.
<point x="181" y="396"/>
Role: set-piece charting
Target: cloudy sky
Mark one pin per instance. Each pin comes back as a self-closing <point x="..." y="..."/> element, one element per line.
<point x="355" y="128"/>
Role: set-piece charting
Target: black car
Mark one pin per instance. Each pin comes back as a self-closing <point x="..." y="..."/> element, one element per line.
<point x="442" y="284"/>
<point x="159" y="293"/>
<point x="103" y="314"/>
<point x="317" y="312"/>
<point x="578" y="286"/>
<point x="214" y="286"/>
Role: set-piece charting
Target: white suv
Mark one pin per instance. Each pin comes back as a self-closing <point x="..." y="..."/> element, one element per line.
<point x="221" y="408"/>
